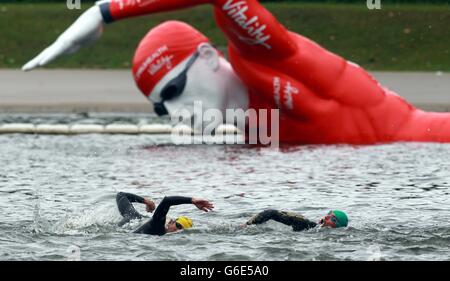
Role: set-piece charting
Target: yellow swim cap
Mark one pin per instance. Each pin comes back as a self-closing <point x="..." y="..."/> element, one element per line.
<point x="185" y="222"/>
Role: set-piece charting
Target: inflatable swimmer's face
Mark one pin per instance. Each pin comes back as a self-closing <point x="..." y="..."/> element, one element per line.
<point x="194" y="82"/>
<point x="175" y="66"/>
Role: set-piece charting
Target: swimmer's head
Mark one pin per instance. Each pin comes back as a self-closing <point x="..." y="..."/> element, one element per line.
<point x="334" y="219"/>
<point x="175" y="65"/>
<point x="179" y="224"/>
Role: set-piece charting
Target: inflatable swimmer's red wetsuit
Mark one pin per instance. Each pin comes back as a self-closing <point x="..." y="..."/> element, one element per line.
<point x="323" y="98"/>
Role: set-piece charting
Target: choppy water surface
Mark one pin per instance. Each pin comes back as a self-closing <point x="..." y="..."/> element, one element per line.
<point x="58" y="193"/>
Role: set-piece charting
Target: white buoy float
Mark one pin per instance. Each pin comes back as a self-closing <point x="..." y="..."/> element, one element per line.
<point x="58" y="129"/>
<point x="121" y="129"/>
<point x="86" y="129"/>
<point x="227" y="129"/>
<point x="17" y="128"/>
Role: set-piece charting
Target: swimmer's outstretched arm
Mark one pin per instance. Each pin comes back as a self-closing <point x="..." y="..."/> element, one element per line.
<point x="267" y="215"/>
<point x="168" y="201"/>
<point x="246" y="23"/>
<point x="296" y="221"/>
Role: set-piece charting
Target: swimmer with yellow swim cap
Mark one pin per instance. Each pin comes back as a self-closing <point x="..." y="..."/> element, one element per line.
<point x="157" y="224"/>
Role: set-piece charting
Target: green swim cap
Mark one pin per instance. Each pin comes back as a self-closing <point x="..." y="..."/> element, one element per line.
<point x="341" y="218"/>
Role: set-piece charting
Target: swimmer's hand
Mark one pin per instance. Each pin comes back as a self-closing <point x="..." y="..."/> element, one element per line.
<point x="150" y="205"/>
<point x="202" y="204"/>
<point x="86" y="29"/>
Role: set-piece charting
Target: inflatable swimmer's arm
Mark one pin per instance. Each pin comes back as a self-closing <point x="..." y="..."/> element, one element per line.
<point x="86" y="29"/>
<point x="89" y="26"/>
<point x="119" y="9"/>
<point x="251" y="28"/>
<point x="260" y="33"/>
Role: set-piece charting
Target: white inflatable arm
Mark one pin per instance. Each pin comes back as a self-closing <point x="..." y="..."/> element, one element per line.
<point x="86" y="29"/>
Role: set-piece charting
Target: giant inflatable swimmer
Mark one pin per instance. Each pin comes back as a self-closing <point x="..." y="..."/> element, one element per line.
<point x="323" y="99"/>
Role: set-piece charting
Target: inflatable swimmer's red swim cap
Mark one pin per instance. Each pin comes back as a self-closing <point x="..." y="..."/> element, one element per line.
<point x="163" y="48"/>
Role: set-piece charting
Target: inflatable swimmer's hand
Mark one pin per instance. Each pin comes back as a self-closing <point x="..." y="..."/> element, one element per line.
<point x="86" y="29"/>
<point x="202" y="204"/>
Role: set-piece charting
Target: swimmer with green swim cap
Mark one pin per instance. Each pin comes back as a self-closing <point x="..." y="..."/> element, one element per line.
<point x="158" y="224"/>
<point x="334" y="219"/>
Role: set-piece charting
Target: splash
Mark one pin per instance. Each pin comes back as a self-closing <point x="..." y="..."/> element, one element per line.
<point x="101" y="219"/>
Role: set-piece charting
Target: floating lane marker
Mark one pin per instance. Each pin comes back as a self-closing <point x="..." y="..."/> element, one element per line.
<point x="52" y="129"/>
<point x="64" y="129"/>
<point x="182" y="130"/>
<point x="87" y="129"/>
<point x="17" y="128"/>
<point x="227" y="129"/>
<point x="121" y="129"/>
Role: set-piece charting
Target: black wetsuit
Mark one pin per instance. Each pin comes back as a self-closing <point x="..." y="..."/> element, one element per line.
<point x="297" y="222"/>
<point x="156" y="225"/>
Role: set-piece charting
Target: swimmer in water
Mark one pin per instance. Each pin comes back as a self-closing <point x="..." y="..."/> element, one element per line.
<point x="333" y="219"/>
<point x="157" y="224"/>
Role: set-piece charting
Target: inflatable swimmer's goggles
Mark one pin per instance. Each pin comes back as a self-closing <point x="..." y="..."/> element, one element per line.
<point x="174" y="88"/>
